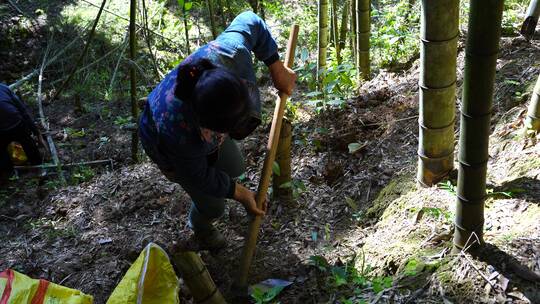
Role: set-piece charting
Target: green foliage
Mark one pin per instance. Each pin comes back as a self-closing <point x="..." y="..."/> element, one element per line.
<point x="122" y="120"/>
<point x="447" y="186"/>
<point x="395" y="31"/>
<point x="298" y="187"/>
<point x="347" y="282"/>
<point x="81" y="174"/>
<point x="338" y="80"/>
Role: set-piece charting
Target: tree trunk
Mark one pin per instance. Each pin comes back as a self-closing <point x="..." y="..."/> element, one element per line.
<point x="529" y="25"/>
<point x="283" y="159"/>
<point x="133" y="79"/>
<point x="480" y="64"/>
<point x="212" y="19"/>
<point x="322" y="39"/>
<point x="438" y="54"/>
<point x="344" y="26"/>
<point x="363" y="26"/>
<point x="196" y="276"/>
<point x="532" y="122"/>
<point x="353" y="33"/>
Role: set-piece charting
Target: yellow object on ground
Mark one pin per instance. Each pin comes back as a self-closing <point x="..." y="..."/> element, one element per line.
<point x="16" y="153"/>
<point x="150" y="280"/>
<point x="17" y="288"/>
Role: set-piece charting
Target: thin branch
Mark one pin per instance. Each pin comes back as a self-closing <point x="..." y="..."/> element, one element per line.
<point x="17" y="8"/>
<point x="96" y="61"/>
<point x="138" y="25"/>
<point x="36" y="71"/>
<point x="147" y="38"/>
<point x="118" y="64"/>
<point x="85" y="50"/>
<point x="50" y="142"/>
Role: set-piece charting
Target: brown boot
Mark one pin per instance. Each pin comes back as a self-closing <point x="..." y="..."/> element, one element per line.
<point x="210" y="240"/>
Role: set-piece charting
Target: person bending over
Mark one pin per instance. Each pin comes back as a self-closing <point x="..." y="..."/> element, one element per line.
<point x="16" y="125"/>
<point x="193" y="116"/>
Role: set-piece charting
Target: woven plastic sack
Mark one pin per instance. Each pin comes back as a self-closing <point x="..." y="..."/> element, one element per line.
<point x="17" y="288"/>
<point x="150" y="280"/>
<point x="16" y="153"/>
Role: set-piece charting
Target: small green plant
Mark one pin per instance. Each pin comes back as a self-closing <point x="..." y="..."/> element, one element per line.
<point x="75" y="133"/>
<point x="122" y="120"/>
<point x="82" y="174"/>
<point x="298" y="187"/>
<point x="447" y="186"/>
<point x="346" y="281"/>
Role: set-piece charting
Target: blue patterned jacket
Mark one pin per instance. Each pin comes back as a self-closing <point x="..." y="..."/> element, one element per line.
<point x="167" y="128"/>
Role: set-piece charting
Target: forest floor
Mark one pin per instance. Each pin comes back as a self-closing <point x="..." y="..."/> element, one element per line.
<point x="361" y="209"/>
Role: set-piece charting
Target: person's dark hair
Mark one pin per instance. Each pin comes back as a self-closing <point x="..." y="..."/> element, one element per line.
<point x="219" y="98"/>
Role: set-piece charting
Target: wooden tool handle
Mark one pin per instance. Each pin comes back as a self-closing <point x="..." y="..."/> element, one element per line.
<point x="254" y="227"/>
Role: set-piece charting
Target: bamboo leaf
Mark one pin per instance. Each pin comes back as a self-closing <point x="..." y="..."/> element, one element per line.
<point x="181" y="4"/>
<point x="355" y="147"/>
<point x="276" y="169"/>
<point x="352" y="203"/>
<point x="188" y="5"/>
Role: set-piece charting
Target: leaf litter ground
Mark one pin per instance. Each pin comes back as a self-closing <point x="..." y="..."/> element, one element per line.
<point x="86" y="236"/>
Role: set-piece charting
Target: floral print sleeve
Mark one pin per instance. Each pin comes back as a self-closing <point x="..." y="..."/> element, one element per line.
<point x="168" y="130"/>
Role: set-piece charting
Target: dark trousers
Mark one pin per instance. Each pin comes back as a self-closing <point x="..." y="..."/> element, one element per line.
<point x="21" y="134"/>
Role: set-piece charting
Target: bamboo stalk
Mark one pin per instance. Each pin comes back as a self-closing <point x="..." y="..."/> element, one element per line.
<point x="532" y="121"/>
<point x="254" y="226"/>
<point x="126" y="19"/>
<point x="529" y="25"/>
<point x="122" y="52"/>
<point x="198" y="280"/>
<point x="283" y="159"/>
<point x="363" y="28"/>
<point x="147" y="39"/>
<point x="438" y="55"/>
<point x="83" y="54"/>
<point x="335" y="27"/>
<point x="221" y="12"/>
<point x="480" y="64"/>
<point x="107" y="162"/>
<point x="133" y="79"/>
<point x="344" y="25"/>
<point x="50" y="61"/>
<point x="186" y="31"/>
<point x="44" y="125"/>
<point x="322" y="39"/>
<point x="353" y="32"/>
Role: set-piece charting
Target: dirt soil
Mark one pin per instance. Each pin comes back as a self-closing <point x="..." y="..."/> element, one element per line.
<point x="86" y="236"/>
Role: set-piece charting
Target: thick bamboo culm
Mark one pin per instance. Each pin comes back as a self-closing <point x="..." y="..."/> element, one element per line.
<point x="322" y="38"/>
<point x="240" y="284"/>
<point x="438" y="54"/>
<point x="532" y="121"/>
<point x="133" y="78"/>
<point x="283" y="159"/>
<point x="529" y="25"/>
<point x="363" y="28"/>
<point x="481" y="52"/>
<point x="198" y="280"/>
